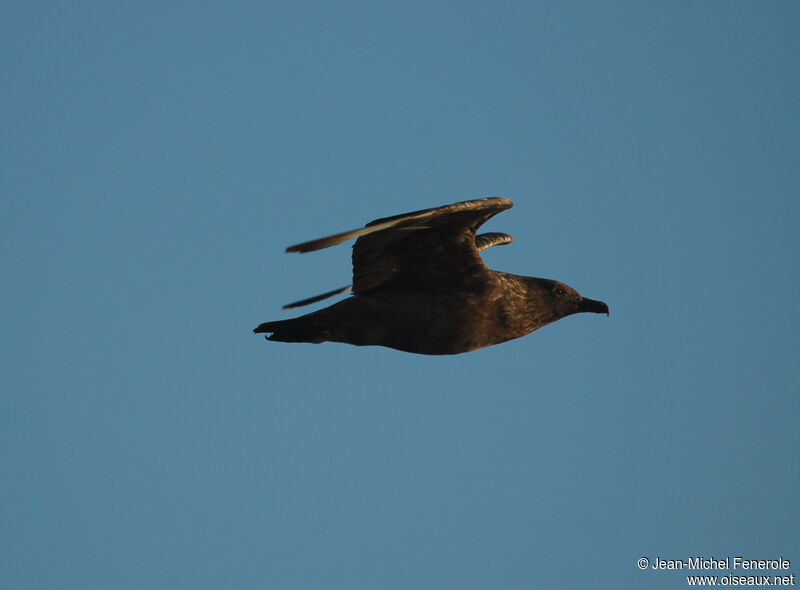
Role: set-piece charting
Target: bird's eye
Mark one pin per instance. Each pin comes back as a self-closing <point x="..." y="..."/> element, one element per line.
<point x="558" y="290"/>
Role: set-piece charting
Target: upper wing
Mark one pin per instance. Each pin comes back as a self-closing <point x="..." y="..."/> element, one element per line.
<point x="482" y="241"/>
<point x="423" y="250"/>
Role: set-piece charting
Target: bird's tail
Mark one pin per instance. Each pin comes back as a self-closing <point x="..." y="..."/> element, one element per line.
<point x="302" y="329"/>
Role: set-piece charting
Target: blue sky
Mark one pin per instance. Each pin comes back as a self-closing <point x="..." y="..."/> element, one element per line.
<point x="157" y="158"/>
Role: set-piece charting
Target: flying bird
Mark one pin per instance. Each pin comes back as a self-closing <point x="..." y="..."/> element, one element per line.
<point x="420" y="285"/>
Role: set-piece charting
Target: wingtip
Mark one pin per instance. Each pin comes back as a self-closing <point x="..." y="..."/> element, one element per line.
<point x="316" y="298"/>
<point x="327" y="241"/>
<point x="299" y="248"/>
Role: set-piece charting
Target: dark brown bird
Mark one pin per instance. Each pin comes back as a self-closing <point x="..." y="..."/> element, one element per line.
<point x="420" y="285"/>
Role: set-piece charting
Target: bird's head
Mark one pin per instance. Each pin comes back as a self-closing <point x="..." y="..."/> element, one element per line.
<point x="563" y="300"/>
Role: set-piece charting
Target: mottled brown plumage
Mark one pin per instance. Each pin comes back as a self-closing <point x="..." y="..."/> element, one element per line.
<point x="420" y="285"/>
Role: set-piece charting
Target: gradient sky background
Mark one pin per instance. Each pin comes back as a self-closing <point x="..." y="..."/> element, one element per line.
<point x="157" y="158"/>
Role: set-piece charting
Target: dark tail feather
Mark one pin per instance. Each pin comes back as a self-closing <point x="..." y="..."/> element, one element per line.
<point x="302" y="329"/>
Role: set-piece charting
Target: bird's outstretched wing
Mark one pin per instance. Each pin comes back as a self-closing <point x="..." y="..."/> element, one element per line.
<point x="423" y="250"/>
<point x="482" y="241"/>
